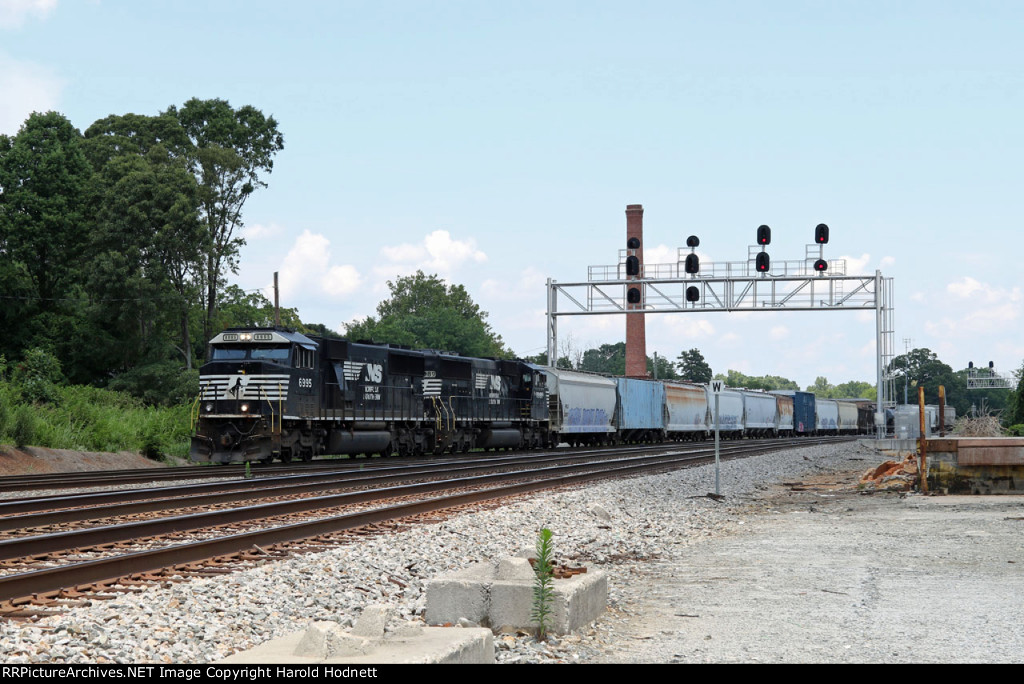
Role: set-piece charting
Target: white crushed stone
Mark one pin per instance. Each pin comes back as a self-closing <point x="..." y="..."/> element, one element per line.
<point x="609" y="525"/>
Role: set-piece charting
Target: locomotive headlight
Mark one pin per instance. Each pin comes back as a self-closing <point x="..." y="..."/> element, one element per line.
<point x="245" y="408"/>
<point x="209" y="407"/>
<point x="245" y="337"/>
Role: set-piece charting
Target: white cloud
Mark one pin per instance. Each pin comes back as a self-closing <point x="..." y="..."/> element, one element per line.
<point x="969" y="288"/>
<point x="857" y="265"/>
<point x="531" y="285"/>
<point x="13" y="13"/>
<point x="438" y="253"/>
<point x="779" y="332"/>
<point x="259" y="231"/>
<point x="25" y="88"/>
<point x="307" y="267"/>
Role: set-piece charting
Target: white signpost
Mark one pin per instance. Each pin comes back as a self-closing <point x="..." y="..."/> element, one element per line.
<point x="716" y="389"/>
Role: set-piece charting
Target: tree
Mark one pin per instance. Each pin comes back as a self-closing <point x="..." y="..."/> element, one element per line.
<point x="425" y="313"/>
<point x="766" y="382"/>
<point x="44" y="184"/>
<point x="232" y="151"/>
<point x="238" y="309"/>
<point x="693" y="367"/>
<point x="609" y="359"/>
<point x="666" y="370"/>
<point x="148" y="246"/>
<point x="856" y="389"/>
<point x="922" y="368"/>
<point x="43" y="177"/>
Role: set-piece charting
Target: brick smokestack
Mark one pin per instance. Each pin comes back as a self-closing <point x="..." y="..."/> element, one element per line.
<point x="636" y="332"/>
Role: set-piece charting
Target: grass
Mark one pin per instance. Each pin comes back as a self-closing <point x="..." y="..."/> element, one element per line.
<point x="93" y="419"/>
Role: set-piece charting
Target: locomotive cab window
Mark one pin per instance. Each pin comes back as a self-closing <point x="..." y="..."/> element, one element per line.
<point x="278" y="353"/>
<point x="304" y="357"/>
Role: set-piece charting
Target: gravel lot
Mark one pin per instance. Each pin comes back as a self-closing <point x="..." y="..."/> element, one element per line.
<point x="773" y="573"/>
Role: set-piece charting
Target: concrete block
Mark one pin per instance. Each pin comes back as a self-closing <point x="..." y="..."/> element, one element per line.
<point x="372" y="621"/>
<point x="323" y="640"/>
<point x="414" y="644"/>
<point x="465" y="594"/>
<point x="501" y="597"/>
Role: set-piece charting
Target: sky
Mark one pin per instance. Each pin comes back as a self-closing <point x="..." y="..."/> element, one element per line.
<point x="498" y="144"/>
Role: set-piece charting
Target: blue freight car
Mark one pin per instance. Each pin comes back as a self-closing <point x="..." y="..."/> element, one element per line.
<point x="640" y="413"/>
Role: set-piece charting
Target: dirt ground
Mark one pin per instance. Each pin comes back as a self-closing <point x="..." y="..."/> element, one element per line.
<point x="35" y="460"/>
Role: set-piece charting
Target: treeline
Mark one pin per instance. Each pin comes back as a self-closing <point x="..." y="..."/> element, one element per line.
<point x="115" y="243"/>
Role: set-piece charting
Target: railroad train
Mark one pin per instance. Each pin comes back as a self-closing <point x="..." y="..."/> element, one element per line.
<point x="269" y="393"/>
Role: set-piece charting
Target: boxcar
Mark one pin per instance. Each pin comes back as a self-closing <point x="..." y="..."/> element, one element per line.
<point x="686" y="406"/>
<point x="581" y="407"/>
<point x="847" y="422"/>
<point x="640" y="413"/>
<point x="760" y="414"/>
<point x="828" y="416"/>
<point x="730" y="413"/>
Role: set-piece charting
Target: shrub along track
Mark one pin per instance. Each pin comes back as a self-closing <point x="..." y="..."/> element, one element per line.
<point x="46" y="570"/>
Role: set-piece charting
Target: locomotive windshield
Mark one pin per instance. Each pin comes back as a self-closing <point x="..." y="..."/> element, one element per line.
<point x="248" y="352"/>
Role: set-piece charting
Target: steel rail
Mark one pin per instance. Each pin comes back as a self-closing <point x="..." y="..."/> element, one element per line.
<point x="19" y="586"/>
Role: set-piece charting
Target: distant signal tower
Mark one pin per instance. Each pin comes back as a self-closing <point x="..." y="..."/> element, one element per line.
<point x="987" y="378"/>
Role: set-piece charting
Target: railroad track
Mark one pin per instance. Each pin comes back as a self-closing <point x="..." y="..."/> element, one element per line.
<point x="276" y="516"/>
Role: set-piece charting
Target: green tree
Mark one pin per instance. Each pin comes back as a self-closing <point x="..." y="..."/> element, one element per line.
<point x="609" y="359"/>
<point x="425" y="313"/>
<point x="822" y="388"/>
<point x="44" y="178"/>
<point x="44" y="183"/>
<point x="856" y="389"/>
<point x="232" y="152"/>
<point x="734" y="378"/>
<point x="922" y="368"/>
<point x="238" y="309"/>
<point x="148" y="247"/>
<point x="693" y="367"/>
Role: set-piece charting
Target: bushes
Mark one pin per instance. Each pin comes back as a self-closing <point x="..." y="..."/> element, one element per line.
<point x="92" y="419"/>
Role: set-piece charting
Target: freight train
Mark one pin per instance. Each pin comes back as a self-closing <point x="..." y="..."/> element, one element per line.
<point x="269" y="393"/>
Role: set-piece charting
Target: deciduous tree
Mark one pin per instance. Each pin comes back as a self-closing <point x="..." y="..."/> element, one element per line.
<point x="425" y="313"/>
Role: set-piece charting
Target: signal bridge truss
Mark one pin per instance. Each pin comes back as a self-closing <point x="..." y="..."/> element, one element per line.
<point x="987" y="378"/>
<point x="732" y="286"/>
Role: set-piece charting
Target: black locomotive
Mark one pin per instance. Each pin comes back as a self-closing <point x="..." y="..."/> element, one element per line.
<point x="271" y="393"/>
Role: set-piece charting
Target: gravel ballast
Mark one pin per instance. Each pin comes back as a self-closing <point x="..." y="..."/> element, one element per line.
<point x="692" y="578"/>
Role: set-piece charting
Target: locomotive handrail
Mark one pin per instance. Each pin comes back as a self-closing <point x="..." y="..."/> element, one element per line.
<point x="193" y="412"/>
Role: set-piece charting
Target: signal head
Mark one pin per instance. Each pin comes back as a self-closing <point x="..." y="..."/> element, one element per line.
<point x="821" y="234"/>
<point x="764" y="235"/>
<point x="692" y="263"/>
<point x="692" y="294"/>
<point x="632" y="266"/>
<point x="633" y="243"/>
<point x="762" y="262"/>
<point x="820" y="265"/>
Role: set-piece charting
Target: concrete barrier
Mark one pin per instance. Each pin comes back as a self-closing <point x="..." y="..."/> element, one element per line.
<point x="500" y="596"/>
